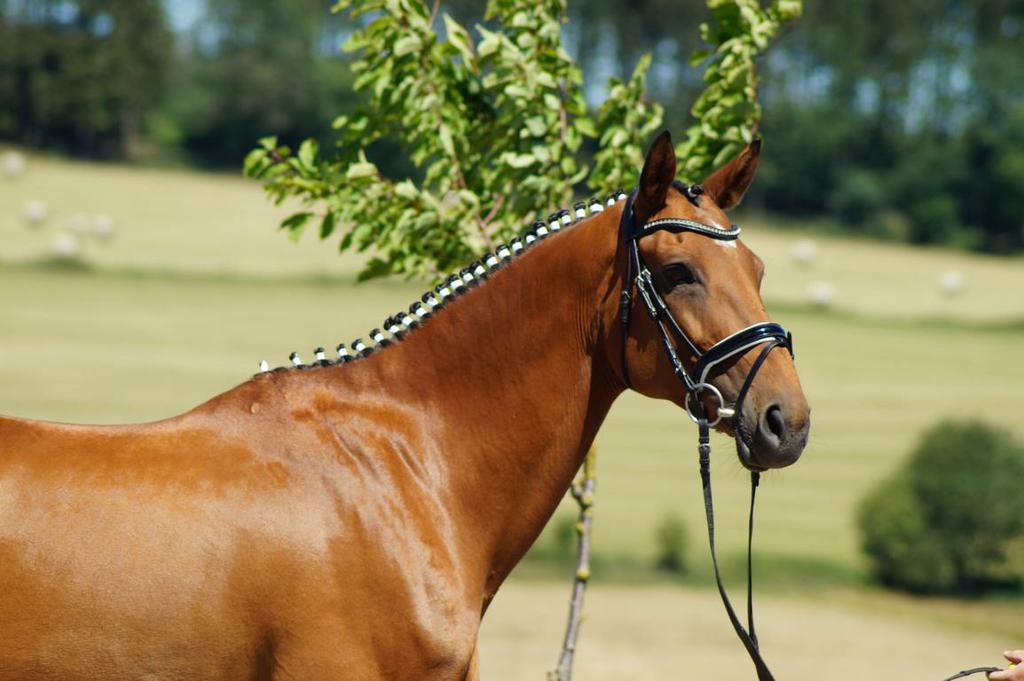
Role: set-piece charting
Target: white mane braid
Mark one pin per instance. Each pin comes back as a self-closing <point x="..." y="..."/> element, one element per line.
<point x="397" y="326"/>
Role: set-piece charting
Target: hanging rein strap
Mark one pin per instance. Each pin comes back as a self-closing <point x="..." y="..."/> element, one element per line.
<point x="766" y="334"/>
<point x="748" y="636"/>
<point x="972" y="672"/>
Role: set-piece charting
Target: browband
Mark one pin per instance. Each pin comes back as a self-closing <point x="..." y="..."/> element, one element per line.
<point x="684" y="225"/>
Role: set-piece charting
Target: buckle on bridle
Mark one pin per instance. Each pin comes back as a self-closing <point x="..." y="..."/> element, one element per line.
<point x="645" y="285"/>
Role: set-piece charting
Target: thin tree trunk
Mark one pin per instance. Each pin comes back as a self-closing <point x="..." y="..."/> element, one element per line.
<point x="583" y="492"/>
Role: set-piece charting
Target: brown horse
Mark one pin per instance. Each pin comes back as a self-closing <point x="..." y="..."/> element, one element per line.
<point x="354" y="521"/>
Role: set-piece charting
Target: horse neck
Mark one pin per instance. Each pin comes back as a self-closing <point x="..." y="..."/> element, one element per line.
<point x="515" y="376"/>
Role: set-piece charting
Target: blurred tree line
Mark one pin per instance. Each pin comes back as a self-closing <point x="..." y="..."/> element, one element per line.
<point x="901" y="120"/>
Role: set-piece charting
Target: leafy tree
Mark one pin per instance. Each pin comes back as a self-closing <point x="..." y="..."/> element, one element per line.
<point x="953" y="519"/>
<point x="82" y="75"/>
<point x="256" y="67"/>
<point x="900" y="114"/>
<point x="672" y="539"/>
<point x="727" y="112"/>
<point x="495" y="128"/>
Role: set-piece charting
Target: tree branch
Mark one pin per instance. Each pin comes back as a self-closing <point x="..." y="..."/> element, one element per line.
<point x="583" y="492"/>
<point x="484" y="225"/>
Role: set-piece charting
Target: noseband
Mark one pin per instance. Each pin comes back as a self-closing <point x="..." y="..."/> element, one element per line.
<point x="766" y="334"/>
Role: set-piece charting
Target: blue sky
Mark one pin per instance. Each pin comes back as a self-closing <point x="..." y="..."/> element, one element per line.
<point x="183" y="13"/>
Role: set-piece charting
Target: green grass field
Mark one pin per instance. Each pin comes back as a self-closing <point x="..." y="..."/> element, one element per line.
<point x="198" y="286"/>
<point x="657" y="632"/>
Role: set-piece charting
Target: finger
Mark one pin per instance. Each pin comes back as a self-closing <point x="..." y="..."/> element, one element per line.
<point x="1001" y="676"/>
<point x="1015" y="656"/>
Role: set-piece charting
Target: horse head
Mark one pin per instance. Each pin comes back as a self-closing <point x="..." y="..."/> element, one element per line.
<point x="704" y="306"/>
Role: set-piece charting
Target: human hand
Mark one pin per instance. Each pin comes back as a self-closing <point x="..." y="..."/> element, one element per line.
<point x="1015" y="672"/>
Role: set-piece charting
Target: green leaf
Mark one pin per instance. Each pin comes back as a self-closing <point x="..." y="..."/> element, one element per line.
<point x="307" y="153"/>
<point x="489" y="45"/>
<point x="327" y="224"/>
<point x="514" y="90"/>
<point x="726" y="154"/>
<point x="295" y="224"/>
<point x="459" y="38"/>
<point x="585" y="126"/>
<point x="255" y="162"/>
<point x="788" y="9"/>
<point x="520" y="160"/>
<point x="407" y="190"/>
<point x="407" y="45"/>
<point x="358" y="170"/>
<point x="447" y="143"/>
<point x="545" y="80"/>
<point x="699" y="57"/>
<point x="536" y="126"/>
<point x="374" y="269"/>
<point x="525" y="41"/>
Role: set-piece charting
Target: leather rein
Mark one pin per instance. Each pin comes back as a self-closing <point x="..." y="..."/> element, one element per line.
<point x="769" y="335"/>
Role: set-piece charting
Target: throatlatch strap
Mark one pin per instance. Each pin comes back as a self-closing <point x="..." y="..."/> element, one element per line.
<point x="626" y="298"/>
<point x="749" y="642"/>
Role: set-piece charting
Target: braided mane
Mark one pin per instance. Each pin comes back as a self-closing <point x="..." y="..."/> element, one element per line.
<point x="397" y="326"/>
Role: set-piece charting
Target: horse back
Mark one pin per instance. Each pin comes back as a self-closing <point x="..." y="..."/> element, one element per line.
<point x="197" y="545"/>
<point x="163" y="546"/>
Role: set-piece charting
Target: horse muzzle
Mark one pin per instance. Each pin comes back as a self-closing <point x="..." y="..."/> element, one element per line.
<point x="774" y="437"/>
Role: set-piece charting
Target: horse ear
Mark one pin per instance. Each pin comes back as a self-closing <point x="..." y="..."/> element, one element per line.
<point x="727" y="185"/>
<point x="657" y="176"/>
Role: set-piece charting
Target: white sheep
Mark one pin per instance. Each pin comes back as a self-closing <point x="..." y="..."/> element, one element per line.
<point x="821" y="293"/>
<point x="951" y="283"/>
<point x="13" y="164"/>
<point x="35" y="213"/>
<point x="103" y="227"/>
<point x="66" y="246"/>
<point x="804" y="252"/>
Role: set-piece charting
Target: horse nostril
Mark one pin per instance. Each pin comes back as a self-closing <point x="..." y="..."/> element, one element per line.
<point x="775" y="423"/>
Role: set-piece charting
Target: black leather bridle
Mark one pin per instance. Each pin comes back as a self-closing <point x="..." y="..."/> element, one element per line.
<point x="769" y="335"/>
<point x="638" y="276"/>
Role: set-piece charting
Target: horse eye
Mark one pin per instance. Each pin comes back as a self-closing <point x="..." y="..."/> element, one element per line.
<point x="678" y="274"/>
